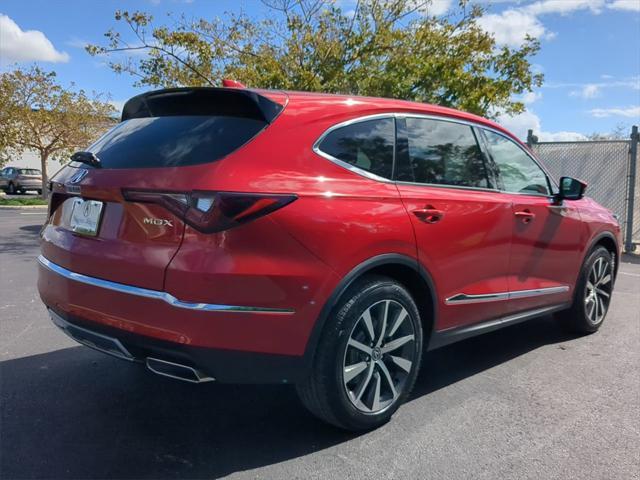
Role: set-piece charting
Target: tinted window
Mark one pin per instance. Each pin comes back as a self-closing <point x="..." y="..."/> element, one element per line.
<point x="444" y="153"/>
<point x="367" y="145"/>
<point x="518" y="172"/>
<point x="29" y="171"/>
<point x="173" y="141"/>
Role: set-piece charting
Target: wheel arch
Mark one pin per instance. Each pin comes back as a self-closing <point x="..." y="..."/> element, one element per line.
<point x="402" y="268"/>
<point x="607" y="240"/>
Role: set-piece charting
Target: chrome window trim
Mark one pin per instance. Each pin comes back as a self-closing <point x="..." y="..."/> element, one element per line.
<point x="155" y="294"/>
<point x="346" y="165"/>
<point x="444" y="118"/>
<point x="463" y="298"/>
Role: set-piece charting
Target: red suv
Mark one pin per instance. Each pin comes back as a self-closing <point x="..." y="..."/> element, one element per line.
<point x="327" y="241"/>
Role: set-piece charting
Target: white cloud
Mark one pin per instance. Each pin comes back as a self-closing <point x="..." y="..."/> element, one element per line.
<point x="629" y="5"/>
<point x="530" y="97"/>
<point x="511" y="26"/>
<point x="610" y="82"/>
<point x="521" y="123"/>
<point x="560" y="136"/>
<point x="17" y="45"/>
<point x="438" y="7"/>
<point x="590" y="90"/>
<point x="629" y="112"/>
<point x="564" y="6"/>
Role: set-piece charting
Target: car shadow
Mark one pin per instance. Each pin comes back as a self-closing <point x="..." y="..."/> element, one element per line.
<point x="22" y="242"/>
<point x="76" y="413"/>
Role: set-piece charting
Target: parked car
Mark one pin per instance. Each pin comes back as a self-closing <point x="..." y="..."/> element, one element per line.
<point x="14" y="180"/>
<point x="324" y="241"/>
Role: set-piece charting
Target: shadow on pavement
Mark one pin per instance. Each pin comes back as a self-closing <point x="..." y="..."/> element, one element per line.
<point x="22" y="242"/>
<point x="75" y="413"/>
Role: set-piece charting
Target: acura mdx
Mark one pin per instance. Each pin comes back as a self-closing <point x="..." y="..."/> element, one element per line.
<point x="325" y="241"/>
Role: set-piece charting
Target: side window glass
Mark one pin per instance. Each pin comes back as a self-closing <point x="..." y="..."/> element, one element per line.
<point x="441" y="152"/>
<point x="518" y="171"/>
<point x="367" y="145"/>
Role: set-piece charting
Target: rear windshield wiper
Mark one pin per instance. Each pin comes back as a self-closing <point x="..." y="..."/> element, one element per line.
<point x="89" y="158"/>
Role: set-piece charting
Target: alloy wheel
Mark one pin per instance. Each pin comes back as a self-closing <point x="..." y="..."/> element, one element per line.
<point x="379" y="356"/>
<point x="598" y="290"/>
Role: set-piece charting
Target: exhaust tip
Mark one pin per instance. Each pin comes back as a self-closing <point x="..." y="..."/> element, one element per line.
<point x="177" y="371"/>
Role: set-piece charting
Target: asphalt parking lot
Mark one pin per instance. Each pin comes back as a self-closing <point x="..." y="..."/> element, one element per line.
<point x="526" y="402"/>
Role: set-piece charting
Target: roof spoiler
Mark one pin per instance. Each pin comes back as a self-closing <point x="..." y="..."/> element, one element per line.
<point x="230" y="102"/>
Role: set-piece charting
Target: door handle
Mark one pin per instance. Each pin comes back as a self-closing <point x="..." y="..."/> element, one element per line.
<point x="429" y="214"/>
<point x="525" y="215"/>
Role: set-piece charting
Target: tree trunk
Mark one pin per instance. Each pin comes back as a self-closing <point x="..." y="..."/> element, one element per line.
<point x="44" y="156"/>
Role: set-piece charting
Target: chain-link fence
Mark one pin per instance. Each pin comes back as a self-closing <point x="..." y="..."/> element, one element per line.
<point x="610" y="169"/>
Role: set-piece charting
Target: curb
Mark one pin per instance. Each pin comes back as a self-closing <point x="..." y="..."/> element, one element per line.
<point x="12" y="207"/>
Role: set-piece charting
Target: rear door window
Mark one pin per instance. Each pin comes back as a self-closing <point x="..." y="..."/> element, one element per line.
<point x="441" y="153"/>
<point x="173" y="141"/>
<point x="367" y="145"/>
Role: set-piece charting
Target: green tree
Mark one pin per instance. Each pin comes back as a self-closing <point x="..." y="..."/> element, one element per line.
<point x="389" y="48"/>
<point x="38" y="114"/>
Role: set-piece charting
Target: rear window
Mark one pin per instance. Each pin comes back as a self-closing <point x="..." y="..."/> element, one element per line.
<point x="367" y="145"/>
<point x="173" y="141"/>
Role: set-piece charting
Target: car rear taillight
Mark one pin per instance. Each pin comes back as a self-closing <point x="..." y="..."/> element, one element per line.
<point x="210" y="212"/>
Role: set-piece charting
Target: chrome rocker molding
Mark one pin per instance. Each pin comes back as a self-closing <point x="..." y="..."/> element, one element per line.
<point x="155" y="294"/>
<point x="463" y="298"/>
<point x="452" y="335"/>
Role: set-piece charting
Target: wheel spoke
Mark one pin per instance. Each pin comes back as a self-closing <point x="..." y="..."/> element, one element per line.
<point x="397" y="343"/>
<point x="592" y="309"/>
<point x="597" y="302"/>
<point x="602" y="292"/>
<point x="366" y="316"/>
<point x="387" y="375"/>
<point x="365" y="383"/>
<point x="590" y="286"/>
<point x="352" y="371"/>
<point x="360" y="346"/>
<point x="401" y="316"/>
<point x="385" y="315"/>
<point x="403" y="363"/>
<point x="376" y="394"/>
<point x="606" y="279"/>
<point x="599" y="268"/>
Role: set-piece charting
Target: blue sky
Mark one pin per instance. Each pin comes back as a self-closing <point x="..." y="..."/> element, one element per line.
<point x="590" y="51"/>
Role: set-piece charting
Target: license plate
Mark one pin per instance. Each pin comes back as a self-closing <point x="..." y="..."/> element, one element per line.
<point x="85" y="217"/>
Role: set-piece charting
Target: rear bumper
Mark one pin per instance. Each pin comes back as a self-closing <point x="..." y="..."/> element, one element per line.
<point x="230" y="343"/>
<point x="226" y="366"/>
<point x="30" y="185"/>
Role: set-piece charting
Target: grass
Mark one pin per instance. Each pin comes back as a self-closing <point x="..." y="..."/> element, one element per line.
<point x="17" y="202"/>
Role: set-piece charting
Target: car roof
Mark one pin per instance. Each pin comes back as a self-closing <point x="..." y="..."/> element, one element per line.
<point x="354" y="106"/>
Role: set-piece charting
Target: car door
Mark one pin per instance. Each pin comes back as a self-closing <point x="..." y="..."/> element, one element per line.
<point x="547" y="236"/>
<point x="3" y="177"/>
<point x="462" y="224"/>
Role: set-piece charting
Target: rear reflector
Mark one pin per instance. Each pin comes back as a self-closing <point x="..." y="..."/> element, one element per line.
<point x="210" y="212"/>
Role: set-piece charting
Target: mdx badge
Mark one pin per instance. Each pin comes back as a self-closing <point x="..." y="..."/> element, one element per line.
<point x="157" y="221"/>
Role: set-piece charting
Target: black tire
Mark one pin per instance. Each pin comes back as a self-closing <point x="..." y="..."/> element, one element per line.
<point x="326" y="393"/>
<point x="39" y="192"/>
<point x="11" y="189"/>
<point x="590" y="305"/>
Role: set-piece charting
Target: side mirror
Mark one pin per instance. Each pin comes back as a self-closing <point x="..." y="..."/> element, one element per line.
<point x="571" y="189"/>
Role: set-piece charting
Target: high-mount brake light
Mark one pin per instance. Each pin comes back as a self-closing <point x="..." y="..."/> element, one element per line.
<point x="210" y="212"/>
